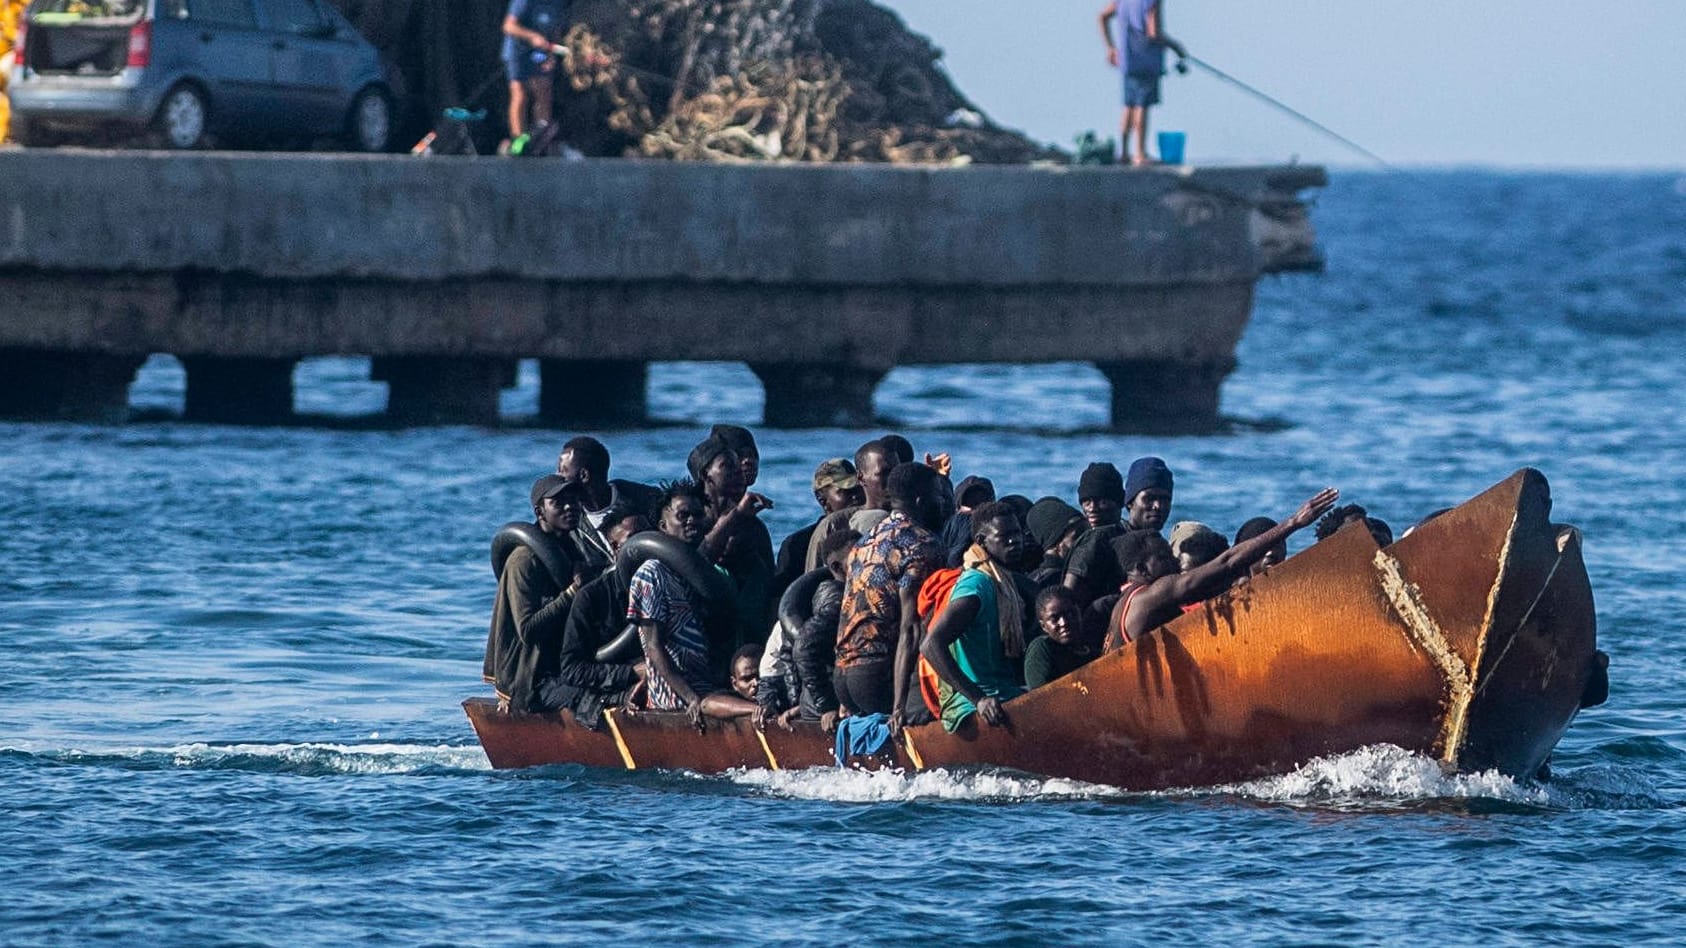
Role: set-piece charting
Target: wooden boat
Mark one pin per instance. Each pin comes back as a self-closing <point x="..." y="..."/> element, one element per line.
<point x="1472" y="640"/>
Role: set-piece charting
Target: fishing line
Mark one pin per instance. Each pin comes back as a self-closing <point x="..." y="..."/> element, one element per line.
<point x="1296" y="113"/>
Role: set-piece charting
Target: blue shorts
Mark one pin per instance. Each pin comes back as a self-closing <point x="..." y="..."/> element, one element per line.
<point x="526" y="65"/>
<point x="1141" y="90"/>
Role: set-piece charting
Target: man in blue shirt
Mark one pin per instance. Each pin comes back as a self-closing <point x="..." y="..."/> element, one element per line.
<point x="530" y="29"/>
<point x="1140" y="53"/>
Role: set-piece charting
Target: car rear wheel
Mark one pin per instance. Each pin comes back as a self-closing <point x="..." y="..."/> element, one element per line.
<point x="368" y="127"/>
<point x="180" y="123"/>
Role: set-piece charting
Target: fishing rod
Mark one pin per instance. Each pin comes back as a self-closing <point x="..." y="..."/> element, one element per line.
<point x="1285" y="107"/>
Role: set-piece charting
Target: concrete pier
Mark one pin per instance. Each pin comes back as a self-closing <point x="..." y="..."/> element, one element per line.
<point x="821" y="277"/>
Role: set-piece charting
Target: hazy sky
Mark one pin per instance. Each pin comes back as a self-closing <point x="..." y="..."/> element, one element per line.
<point x="1494" y="82"/>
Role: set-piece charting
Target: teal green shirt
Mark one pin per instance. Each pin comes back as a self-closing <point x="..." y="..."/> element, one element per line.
<point x="978" y="652"/>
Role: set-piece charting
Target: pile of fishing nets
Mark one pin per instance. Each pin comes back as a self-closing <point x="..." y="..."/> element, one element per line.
<point x="711" y="80"/>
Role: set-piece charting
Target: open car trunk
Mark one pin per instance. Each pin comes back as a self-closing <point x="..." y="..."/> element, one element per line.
<point x="81" y="37"/>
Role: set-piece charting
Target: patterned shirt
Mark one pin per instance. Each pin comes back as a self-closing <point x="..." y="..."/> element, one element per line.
<point x="658" y="595"/>
<point x="897" y="554"/>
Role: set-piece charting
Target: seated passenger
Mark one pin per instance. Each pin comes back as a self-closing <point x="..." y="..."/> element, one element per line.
<point x="746" y="671"/>
<point x="1338" y="518"/>
<point x="1156" y="592"/>
<point x="878" y="628"/>
<point x="742" y="443"/>
<point x="956" y="534"/>
<point x="585" y="461"/>
<point x="583" y="684"/>
<point x="1258" y="526"/>
<point x="671" y="620"/>
<point x="1195" y="544"/>
<point x="1090" y="570"/>
<point x="1379" y="530"/>
<point x="980" y="631"/>
<point x="796" y="671"/>
<point x="1060" y="649"/>
<point x="532" y="605"/>
<point x="737" y="539"/>
<point x="835" y="488"/>
<point x="1055" y="525"/>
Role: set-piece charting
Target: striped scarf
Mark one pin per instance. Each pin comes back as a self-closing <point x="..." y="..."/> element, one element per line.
<point x="1009" y="606"/>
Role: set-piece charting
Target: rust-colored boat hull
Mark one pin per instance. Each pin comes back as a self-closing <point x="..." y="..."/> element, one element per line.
<point x="1470" y="641"/>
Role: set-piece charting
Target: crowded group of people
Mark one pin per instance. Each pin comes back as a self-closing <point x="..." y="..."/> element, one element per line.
<point x="912" y="596"/>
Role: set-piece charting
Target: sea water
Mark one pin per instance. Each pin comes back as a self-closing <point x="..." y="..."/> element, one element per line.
<point x="231" y="659"/>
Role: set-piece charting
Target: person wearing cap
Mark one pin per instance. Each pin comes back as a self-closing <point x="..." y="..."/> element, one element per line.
<point x="1195" y="544"/>
<point x="835" y="488"/>
<point x="532" y="606"/>
<point x="1055" y="525"/>
<point x="873" y="463"/>
<point x="1092" y="571"/>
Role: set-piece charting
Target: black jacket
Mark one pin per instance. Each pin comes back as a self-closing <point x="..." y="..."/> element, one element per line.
<point x="526" y="632"/>
<point x="583" y="684"/>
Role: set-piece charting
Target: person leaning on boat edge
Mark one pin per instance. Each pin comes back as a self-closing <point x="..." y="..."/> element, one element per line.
<point x="979" y="633"/>
<point x="1156" y="592"/>
<point x="531" y="607"/>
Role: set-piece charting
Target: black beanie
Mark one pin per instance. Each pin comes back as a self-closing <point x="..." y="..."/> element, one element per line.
<point x="703" y="455"/>
<point x="1144" y="473"/>
<point x="1050" y="518"/>
<point x="1101" y="481"/>
<point x="737" y="438"/>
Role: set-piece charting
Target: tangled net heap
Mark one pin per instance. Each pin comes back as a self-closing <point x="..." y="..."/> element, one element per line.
<point x="770" y="80"/>
<point x="706" y="80"/>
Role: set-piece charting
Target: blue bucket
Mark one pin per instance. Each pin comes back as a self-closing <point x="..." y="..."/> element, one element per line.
<point x="1171" y="147"/>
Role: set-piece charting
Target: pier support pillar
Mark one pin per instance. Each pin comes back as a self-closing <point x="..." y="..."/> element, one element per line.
<point x="442" y="390"/>
<point x="46" y="384"/>
<point x="593" y="393"/>
<point x="1161" y="397"/>
<point x="239" y="391"/>
<point x="817" y="395"/>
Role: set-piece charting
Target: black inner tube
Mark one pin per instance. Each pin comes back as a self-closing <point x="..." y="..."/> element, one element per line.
<point x="550" y="553"/>
<point x="719" y="592"/>
<point x="796" y="606"/>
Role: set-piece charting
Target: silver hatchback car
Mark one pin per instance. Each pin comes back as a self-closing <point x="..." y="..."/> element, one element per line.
<point x="187" y="71"/>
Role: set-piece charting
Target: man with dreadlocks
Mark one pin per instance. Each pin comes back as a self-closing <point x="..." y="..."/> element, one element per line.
<point x="978" y="639"/>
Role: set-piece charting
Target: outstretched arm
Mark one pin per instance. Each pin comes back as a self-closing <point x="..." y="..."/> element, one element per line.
<point x="1159" y="602"/>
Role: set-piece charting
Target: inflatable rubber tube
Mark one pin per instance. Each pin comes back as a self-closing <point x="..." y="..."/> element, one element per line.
<point x="550" y="553"/>
<point x="622" y="649"/>
<point x="716" y="587"/>
<point x="796" y="606"/>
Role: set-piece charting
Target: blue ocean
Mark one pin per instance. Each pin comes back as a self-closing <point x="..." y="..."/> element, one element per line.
<point x="232" y="658"/>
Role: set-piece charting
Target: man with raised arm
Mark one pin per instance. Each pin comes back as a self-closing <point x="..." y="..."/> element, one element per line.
<point x="1155" y="592"/>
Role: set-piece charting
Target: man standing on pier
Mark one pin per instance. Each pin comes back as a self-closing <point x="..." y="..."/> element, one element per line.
<point x="530" y="29"/>
<point x="1139" y="51"/>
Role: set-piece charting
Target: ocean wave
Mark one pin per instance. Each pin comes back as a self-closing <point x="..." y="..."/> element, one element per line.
<point x="305" y="759"/>
<point x="895" y="786"/>
<point x="1383" y="774"/>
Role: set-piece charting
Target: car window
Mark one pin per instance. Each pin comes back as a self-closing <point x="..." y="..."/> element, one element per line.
<point x="295" y="16"/>
<point x="89" y="9"/>
<point x="236" y="13"/>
